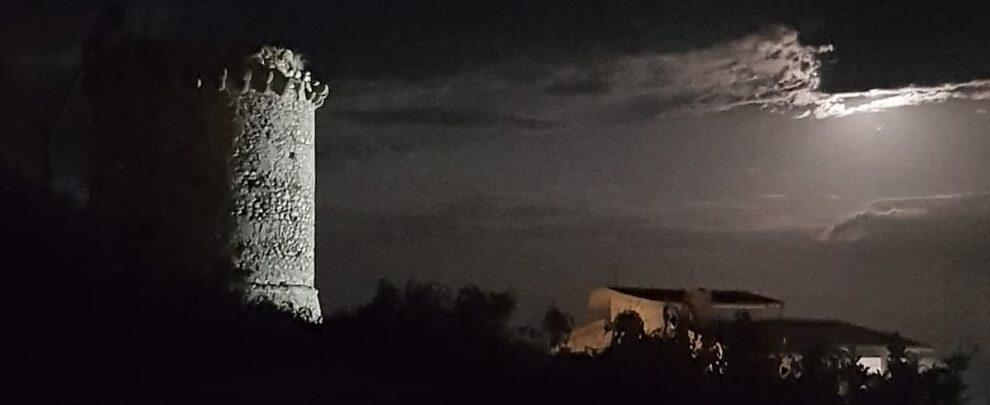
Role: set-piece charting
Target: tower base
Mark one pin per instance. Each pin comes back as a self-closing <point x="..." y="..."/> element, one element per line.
<point x="298" y="301"/>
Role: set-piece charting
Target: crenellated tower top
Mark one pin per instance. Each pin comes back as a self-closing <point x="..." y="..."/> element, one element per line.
<point x="281" y="59"/>
<point x="272" y="70"/>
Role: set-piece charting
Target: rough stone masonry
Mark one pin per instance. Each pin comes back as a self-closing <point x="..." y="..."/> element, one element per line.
<point x="212" y="177"/>
<point x="272" y="173"/>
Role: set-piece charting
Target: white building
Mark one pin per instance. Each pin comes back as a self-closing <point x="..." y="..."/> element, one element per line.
<point x="664" y="311"/>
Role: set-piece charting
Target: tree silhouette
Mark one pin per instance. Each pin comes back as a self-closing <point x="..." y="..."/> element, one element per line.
<point x="947" y="383"/>
<point x="558" y="326"/>
<point x="627" y="327"/>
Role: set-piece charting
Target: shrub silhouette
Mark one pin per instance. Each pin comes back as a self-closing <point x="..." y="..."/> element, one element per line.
<point x="557" y="326"/>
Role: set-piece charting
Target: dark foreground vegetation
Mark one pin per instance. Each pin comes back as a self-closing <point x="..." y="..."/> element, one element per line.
<point x="87" y="320"/>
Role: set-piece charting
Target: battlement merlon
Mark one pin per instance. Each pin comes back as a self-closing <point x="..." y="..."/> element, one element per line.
<point x="272" y="70"/>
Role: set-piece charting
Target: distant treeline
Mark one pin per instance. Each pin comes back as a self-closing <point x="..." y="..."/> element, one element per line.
<point x="88" y="319"/>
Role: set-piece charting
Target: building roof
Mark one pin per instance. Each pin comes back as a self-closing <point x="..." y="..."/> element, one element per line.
<point x="806" y="333"/>
<point x="718" y="296"/>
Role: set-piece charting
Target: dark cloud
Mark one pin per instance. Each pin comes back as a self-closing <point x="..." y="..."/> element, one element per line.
<point x="577" y="81"/>
<point x="363" y="147"/>
<point x="639" y="108"/>
<point x="953" y="226"/>
<point x="477" y="212"/>
<point x="770" y="68"/>
<point x="437" y="116"/>
<point x="764" y="67"/>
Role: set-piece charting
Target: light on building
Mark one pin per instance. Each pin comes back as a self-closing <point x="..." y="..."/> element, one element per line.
<point x="873" y="365"/>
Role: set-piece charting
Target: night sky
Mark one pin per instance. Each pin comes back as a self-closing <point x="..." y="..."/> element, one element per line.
<point x="830" y="154"/>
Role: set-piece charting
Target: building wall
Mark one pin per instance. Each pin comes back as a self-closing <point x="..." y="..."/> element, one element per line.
<point x="924" y="356"/>
<point x="605" y="304"/>
<point x="730" y="312"/>
<point x="651" y="312"/>
<point x="589" y="337"/>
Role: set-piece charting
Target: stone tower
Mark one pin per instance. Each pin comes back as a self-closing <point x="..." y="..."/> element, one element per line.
<point x="272" y="182"/>
<point x="212" y="175"/>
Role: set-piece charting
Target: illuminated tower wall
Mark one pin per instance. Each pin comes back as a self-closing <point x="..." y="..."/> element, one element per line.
<point x="211" y="174"/>
<point x="272" y="171"/>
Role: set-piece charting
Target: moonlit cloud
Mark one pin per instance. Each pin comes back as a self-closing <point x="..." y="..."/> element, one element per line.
<point x="767" y="67"/>
<point x="844" y="104"/>
<point x="770" y="69"/>
<point x="771" y="66"/>
<point x="773" y="70"/>
<point x="929" y="219"/>
<point x="796" y="83"/>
